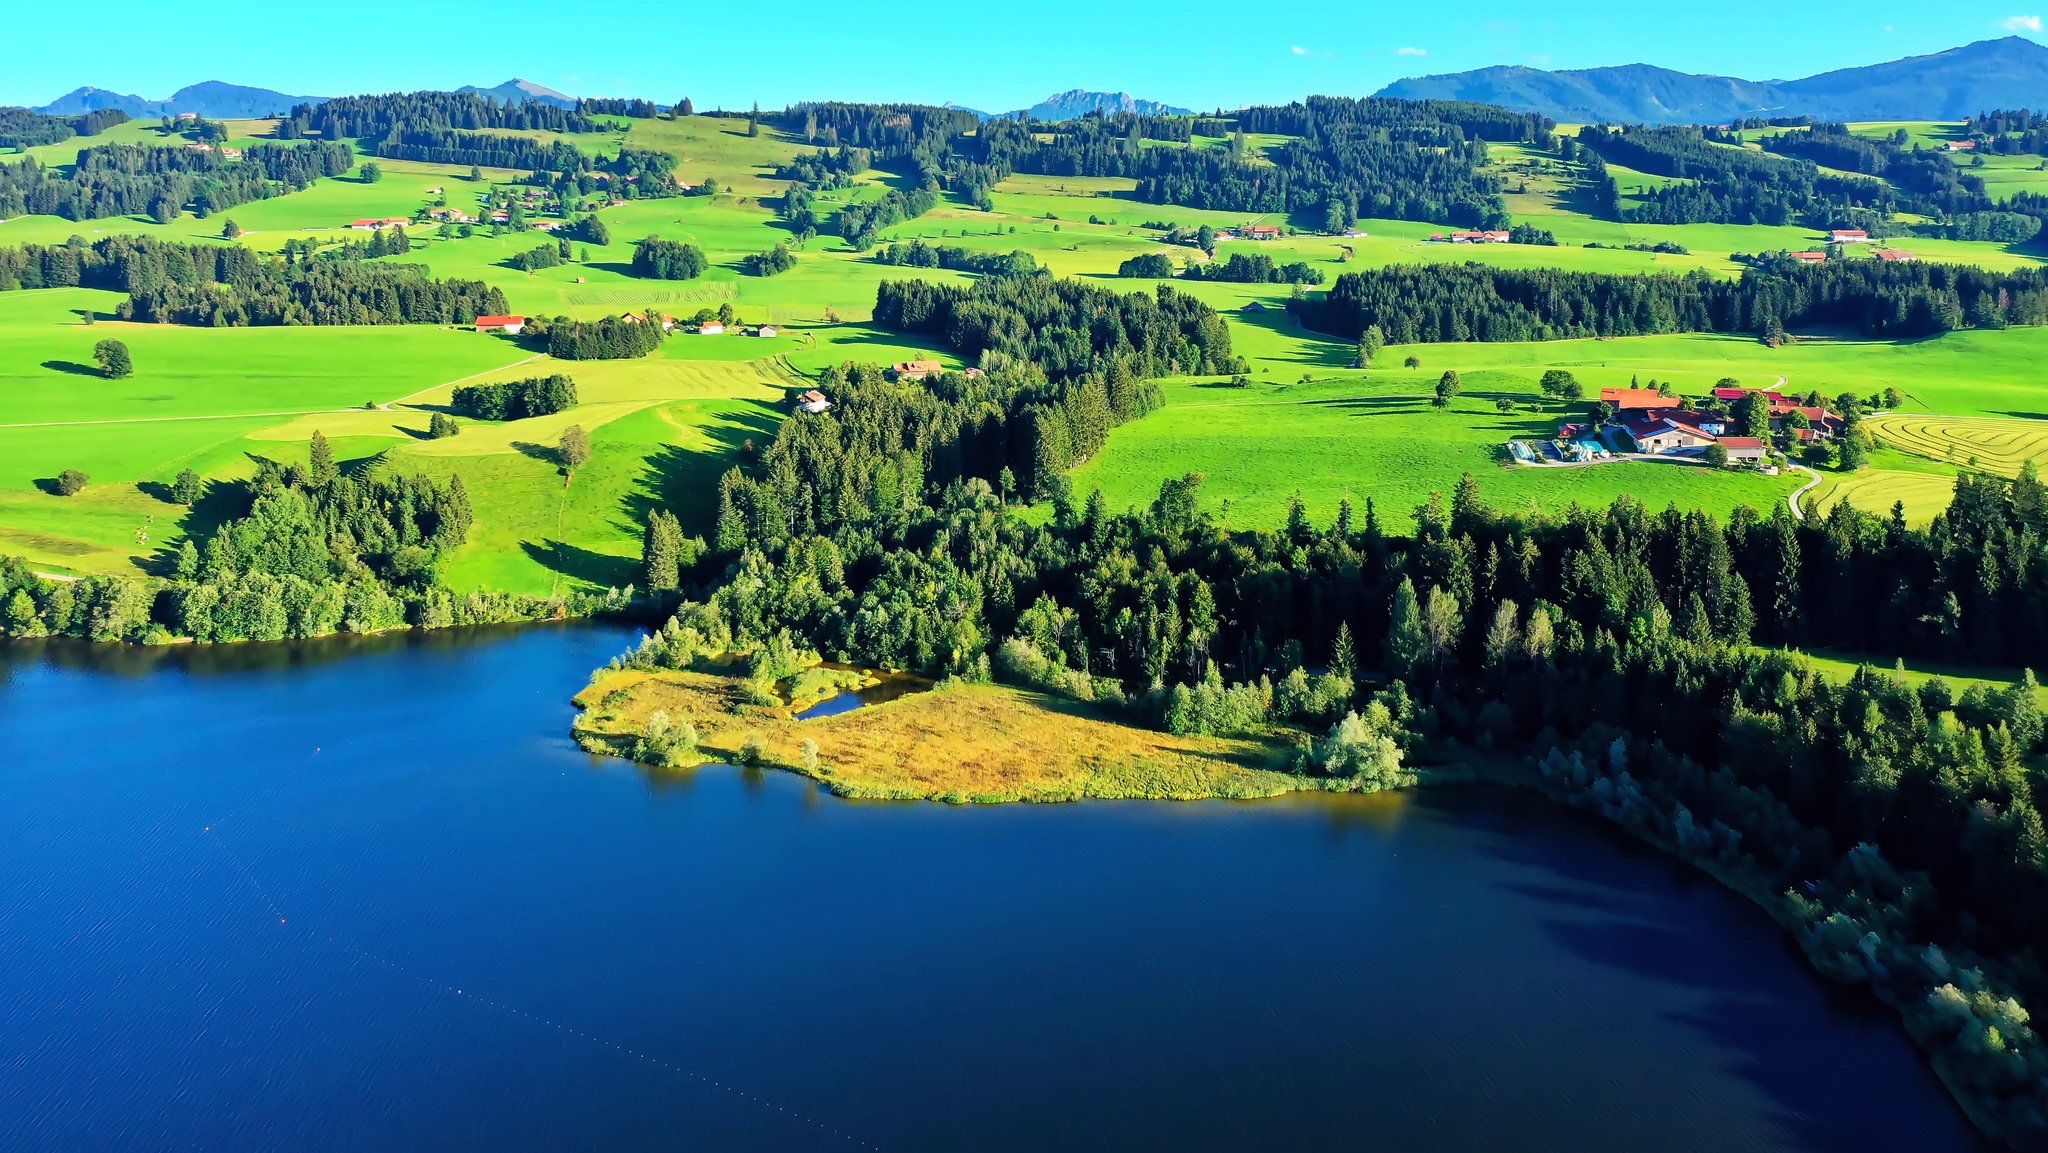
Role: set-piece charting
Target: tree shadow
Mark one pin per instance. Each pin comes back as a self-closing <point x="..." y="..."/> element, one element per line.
<point x="157" y="489"/>
<point x="544" y="453"/>
<point x="685" y="481"/>
<point x="601" y="570"/>
<point x="48" y="486"/>
<point x="72" y="367"/>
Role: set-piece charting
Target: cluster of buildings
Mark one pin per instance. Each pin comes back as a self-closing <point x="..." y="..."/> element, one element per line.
<point x="1646" y="421"/>
<point x="1469" y="236"/>
<point x="225" y="152"/>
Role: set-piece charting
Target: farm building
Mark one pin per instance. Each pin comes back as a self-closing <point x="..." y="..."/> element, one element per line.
<point x="711" y="328"/>
<point x="1771" y="395"/>
<point x="507" y="324"/>
<point x="1254" y="306"/>
<point x="384" y="222"/>
<point x="667" y="323"/>
<point x="767" y="330"/>
<point x="550" y="225"/>
<point x="1743" y="447"/>
<point x="1810" y="257"/>
<point x="916" y="369"/>
<point x="1469" y="236"/>
<point x="1894" y="254"/>
<point x="1959" y="146"/>
<point x="813" y="402"/>
<point x="1848" y="236"/>
<point x="1260" y="232"/>
<point x="1667" y="430"/>
<point x="1625" y="399"/>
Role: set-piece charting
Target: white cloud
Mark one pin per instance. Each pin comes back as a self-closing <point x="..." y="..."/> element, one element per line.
<point x="1411" y="51"/>
<point x="1298" y="50"/>
<point x="2021" y="24"/>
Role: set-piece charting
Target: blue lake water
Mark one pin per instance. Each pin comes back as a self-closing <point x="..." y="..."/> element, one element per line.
<point x="368" y="896"/>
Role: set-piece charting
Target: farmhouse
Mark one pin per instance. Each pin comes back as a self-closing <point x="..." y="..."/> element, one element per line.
<point x="767" y="330"/>
<point x="1893" y="254"/>
<point x="711" y="328"/>
<point x="1467" y="236"/>
<point x="1625" y="399"/>
<point x="1260" y="232"/>
<point x="550" y="225"/>
<point x="916" y="369"/>
<point x="514" y="325"/>
<point x="813" y="402"/>
<point x="1849" y="236"/>
<point x="1959" y="146"/>
<point x="1743" y="447"/>
<point x="1667" y="430"/>
<point x="1810" y="257"/>
<point x="1820" y="424"/>
<point x="667" y="324"/>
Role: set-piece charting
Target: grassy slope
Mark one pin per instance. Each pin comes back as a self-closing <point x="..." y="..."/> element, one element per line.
<point x="670" y="424"/>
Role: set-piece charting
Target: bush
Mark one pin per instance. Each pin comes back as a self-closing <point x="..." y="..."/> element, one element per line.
<point x="442" y="426"/>
<point x="769" y="263"/>
<point x="187" y="488"/>
<point x="1150" y="266"/>
<point x="71" y="482"/>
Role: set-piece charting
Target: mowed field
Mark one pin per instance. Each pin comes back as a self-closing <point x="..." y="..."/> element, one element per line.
<point x="664" y="428"/>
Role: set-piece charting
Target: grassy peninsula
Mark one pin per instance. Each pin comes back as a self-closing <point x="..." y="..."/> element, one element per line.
<point x="956" y="742"/>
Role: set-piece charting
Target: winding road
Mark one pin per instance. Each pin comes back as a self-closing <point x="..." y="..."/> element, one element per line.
<point x="1792" y="501"/>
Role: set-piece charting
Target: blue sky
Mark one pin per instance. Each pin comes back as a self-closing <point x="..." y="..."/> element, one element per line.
<point x="1199" y="53"/>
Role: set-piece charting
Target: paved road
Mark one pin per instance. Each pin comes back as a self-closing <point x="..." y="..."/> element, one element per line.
<point x="1793" y="500"/>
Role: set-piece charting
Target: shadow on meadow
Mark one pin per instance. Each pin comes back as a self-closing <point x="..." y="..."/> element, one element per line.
<point x="685" y="481"/>
<point x="72" y="367"/>
<point x="600" y="570"/>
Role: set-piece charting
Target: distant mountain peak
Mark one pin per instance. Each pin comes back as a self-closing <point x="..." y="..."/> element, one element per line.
<point x="2008" y="72"/>
<point x="517" y="89"/>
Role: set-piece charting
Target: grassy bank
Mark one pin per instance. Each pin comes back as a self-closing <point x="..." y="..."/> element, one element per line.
<point x="954" y="742"/>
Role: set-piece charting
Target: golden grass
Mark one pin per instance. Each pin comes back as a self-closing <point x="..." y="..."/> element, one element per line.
<point x="956" y="742"/>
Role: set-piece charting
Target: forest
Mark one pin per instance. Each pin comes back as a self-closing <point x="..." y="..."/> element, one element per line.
<point x="24" y="128"/>
<point x="1443" y="302"/>
<point x="163" y="182"/>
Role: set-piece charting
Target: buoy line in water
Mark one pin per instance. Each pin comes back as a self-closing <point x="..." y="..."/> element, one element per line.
<point x="262" y="896"/>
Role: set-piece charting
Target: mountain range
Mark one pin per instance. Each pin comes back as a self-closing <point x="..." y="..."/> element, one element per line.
<point x="2007" y="73"/>
<point x="218" y="100"/>
<point x="1075" y="103"/>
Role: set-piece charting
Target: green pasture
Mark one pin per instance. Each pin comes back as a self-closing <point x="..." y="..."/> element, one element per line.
<point x="1837" y="666"/>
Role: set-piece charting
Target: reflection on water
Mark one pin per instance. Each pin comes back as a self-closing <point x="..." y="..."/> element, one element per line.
<point x="382" y="902"/>
<point x="889" y="687"/>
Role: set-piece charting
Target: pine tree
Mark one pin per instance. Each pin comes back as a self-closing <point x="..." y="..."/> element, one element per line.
<point x="1407" y="645"/>
<point x="661" y="549"/>
<point x="1343" y="662"/>
<point x="320" y="467"/>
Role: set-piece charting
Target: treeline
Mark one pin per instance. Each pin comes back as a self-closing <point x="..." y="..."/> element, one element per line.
<point x="607" y="338"/>
<point x="1720" y="183"/>
<point x="515" y="399"/>
<point x="321" y="292"/>
<point x="1410" y="160"/>
<point x="633" y="108"/>
<point x="659" y="259"/>
<point x="918" y="254"/>
<point x="376" y="117"/>
<point x="1473" y="302"/>
<point x="1065" y="328"/>
<point x="164" y="182"/>
<point x="24" y="128"/>
<point x="228" y="285"/>
<point x="1252" y="268"/>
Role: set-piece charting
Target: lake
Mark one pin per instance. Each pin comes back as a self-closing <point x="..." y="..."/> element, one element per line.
<point x="367" y="895"/>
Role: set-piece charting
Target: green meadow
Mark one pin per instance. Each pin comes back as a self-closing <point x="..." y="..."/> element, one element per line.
<point x="664" y="428"/>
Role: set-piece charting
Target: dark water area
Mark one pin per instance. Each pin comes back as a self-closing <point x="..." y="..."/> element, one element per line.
<point x="889" y="688"/>
<point x="368" y="896"/>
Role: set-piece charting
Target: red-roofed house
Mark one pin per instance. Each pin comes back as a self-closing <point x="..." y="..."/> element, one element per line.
<point x="1848" y="236"/>
<point x="513" y="325"/>
<point x="1810" y="257"/>
<point x="1626" y="399"/>
<point x="1261" y="232"/>
<point x="1771" y="396"/>
<point x="1743" y="447"/>
<point x="1959" y="146"/>
<point x="1892" y="254"/>
<point x="381" y="222"/>
<point x="916" y="369"/>
<point x="1658" y="430"/>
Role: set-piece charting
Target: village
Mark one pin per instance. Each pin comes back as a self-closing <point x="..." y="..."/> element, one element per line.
<point x="1731" y="426"/>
